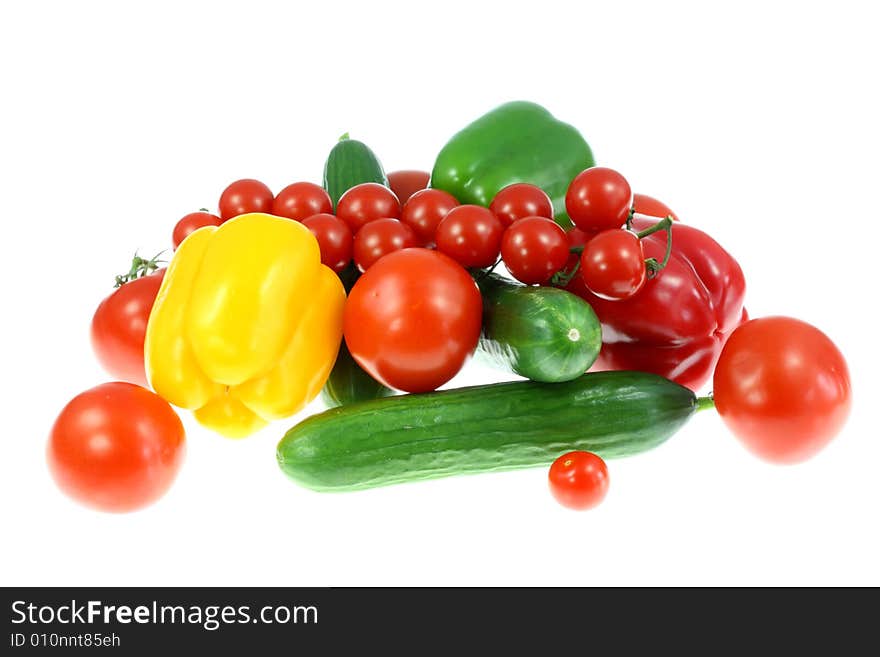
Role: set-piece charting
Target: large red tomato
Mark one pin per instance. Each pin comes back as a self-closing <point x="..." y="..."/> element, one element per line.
<point x="116" y="447"/>
<point x="120" y="324"/>
<point x="413" y="319"/>
<point x="782" y="387"/>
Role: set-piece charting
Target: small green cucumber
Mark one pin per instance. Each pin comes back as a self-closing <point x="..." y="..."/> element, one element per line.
<point x="542" y="333"/>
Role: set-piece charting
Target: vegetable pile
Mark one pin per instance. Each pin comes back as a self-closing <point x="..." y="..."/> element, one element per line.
<point x="374" y="291"/>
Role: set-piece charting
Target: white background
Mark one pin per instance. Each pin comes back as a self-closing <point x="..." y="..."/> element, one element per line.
<point x="757" y="123"/>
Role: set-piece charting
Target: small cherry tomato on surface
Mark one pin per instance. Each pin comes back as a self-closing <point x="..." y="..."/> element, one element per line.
<point x="424" y="211"/>
<point x="412" y="320"/>
<point x="116" y="447"/>
<point x="120" y="324"/>
<point x="191" y="223"/>
<point x="334" y="239"/>
<point x="613" y="265"/>
<point x="521" y="200"/>
<point x="782" y="387"/>
<point x="579" y="480"/>
<point x="380" y="237"/>
<point x="470" y="235"/>
<point x="366" y="202"/>
<point x="243" y="196"/>
<point x="650" y="206"/>
<point x="302" y="200"/>
<point x="533" y="249"/>
<point x="407" y="182"/>
<point x="598" y="199"/>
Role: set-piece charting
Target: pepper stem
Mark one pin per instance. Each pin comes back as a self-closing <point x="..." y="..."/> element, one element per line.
<point x="651" y="264"/>
<point x="344" y="137"/>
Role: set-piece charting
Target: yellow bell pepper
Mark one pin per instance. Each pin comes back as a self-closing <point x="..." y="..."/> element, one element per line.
<point x="246" y="325"/>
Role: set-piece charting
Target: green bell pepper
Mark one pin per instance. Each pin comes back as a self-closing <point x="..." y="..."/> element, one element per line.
<point x="516" y="142"/>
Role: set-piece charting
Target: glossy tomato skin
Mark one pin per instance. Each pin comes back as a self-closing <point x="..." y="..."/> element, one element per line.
<point x="302" y="200"/>
<point x="243" y="196"/>
<point x="380" y="237"/>
<point x="613" y="265"/>
<point x="470" y="235"/>
<point x="521" y="200"/>
<point x="533" y="249"/>
<point x="424" y="211"/>
<point x="598" y="199"/>
<point x="334" y="239"/>
<point x="365" y="203"/>
<point x="116" y="447"/>
<point x="413" y="319"/>
<point x="650" y="206"/>
<point x="120" y="324"/>
<point x="783" y="388"/>
<point x="191" y="223"/>
<point x="407" y="182"/>
<point x="579" y="480"/>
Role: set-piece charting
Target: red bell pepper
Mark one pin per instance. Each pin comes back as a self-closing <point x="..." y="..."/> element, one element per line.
<point x="677" y="323"/>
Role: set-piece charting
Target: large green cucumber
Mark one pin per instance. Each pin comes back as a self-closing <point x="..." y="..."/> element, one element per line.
<point x="351" y="163"/>
<point x="501" y="426"/>
<point x="542" y="333"/>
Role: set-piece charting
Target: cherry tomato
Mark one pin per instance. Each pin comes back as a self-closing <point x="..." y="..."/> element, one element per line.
<point x="334" y="239"/>
<point x="470" y="235"/>
<point x="379" y="238"/>
<point x="366" y="202"/>
<point x="302" y="200"/>
<point x="533" y="249"/>
<point x="613" y="265"/>
<point x="116" y="447"/>
<point x="579" y="480"/>
<point x="191" y="223"/>
<point x="424" y="211"/>
<point x="120" y="324"/>
<point x="407" y="182"/>
<point x="243" y="196"/>
<point x="412" y="319"/>
<point x="648" y="205"/>
<point x="521" y="200"/>
<point x="598" y="199"/>
<point x="782" y="387"/>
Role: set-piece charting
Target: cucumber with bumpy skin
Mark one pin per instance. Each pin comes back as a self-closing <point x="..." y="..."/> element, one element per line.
<point x="501" y="426"/>
<point x="542" y="333"/>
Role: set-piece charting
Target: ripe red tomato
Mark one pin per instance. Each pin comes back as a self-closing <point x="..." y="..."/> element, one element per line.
<point x="301" y="200"/>
<point x="648" y="205"/>
<point x="334" y="239"/>
<point x="191" y="223"/>
<point x="521" y="200"/>
<point x="598" y="199"/>
<point x="782" y="387"/>
<point x="116" y="447"/>
<point x="366" y="202"/>
<point x="407" y="182"/>
<point x="579" y="480"/>
<point x="533" y="249"/>
<point x="613" y="264"/>
<point x="413" y="319"/>
<point x="470" y="235"/>
<point x="424" y="211"/>
<point x="380" y="237"/>
<point x="120" y="324"/>
<point x="243" y="196"/>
